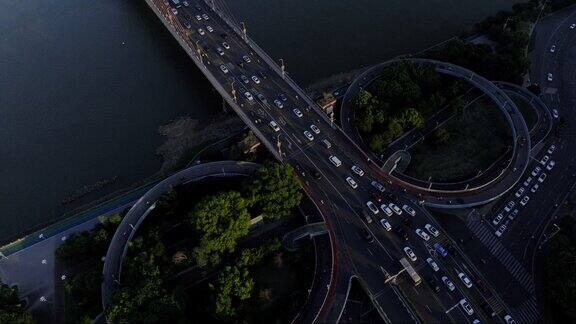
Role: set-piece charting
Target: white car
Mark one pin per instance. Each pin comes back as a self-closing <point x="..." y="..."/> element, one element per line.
<point x="550" y="165"/>
<point x="185" y="3"/>
<point x="224" y="68"/>
<point x="519" y="192"/>
<point x="336" y="161"/>
<point x="544" y="160"/>
<point x="205" y="16"/>
<point x="466" y="306"/>
<point x="244" y="79"/>
<point x="409" y="210"/>
<point x="174" y="11"/>
<point x="555" y="113"/>
<point x="550" y="77"/>
<point x="509" y="206"/>
<point x="508" y="318"/>
<point x="465" y="280"/>
<point x="225" y="45"/>
<point x="535" y="188"/>
<point x="248" y="96"/>
<point x="527" y="181"/>
<point x="449" y="284"/>
<point x="524" y="200"/>
<point x="395" y="208"/>
<point x="356" y="169"/>
<point x="497" y="219"/>
<point x="553" y="49"/>
<point x="372" y="207"/>
<point x="274" y="126"/>
<point x="255" y="79"/>
<point x="198" y="17"/>
<point x="309" y="135"/>
<point x="315" y="129"/>
<point x="246" y="59"/>
<point x="551" y="149"/>
<point x="351" y="182"/>
<point x="386" y="210"/>
<point x="433" y="264"/>
<point x="201" y="31"/>
<point x="410" y="254"/>
<point x="542" y="177"/>
<point x="278" y="103"/>
<point x="500" y="230"/>
<point x="386" y="224"/>
<point x="432" y="230"/>
<point x="297" y="112"/>
<point x="571" y="27"/>
<point x="209" y="28"/>
<point x="378" y="185"/>
<point x="422" y="234"/>
<point x="536" y="171"/>
<point x="220" y="51"/>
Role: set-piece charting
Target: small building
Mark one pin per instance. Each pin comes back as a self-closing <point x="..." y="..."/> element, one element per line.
<point x="249" y="143"/>
<point x="327" y="103"/>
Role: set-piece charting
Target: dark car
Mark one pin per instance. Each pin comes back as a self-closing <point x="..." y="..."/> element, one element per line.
<point x="366" y="235"/>
<point x="375" y="196"/>
<point x="480" y="284"/>
<point x="401" y="233"/>
<point x="392" y="196"/>
<point x="283" y="97"/>
<point x="433" y="284"/>
<point x="316" y="174"/>
<point x="224" y="35"/>
<point x="451" y="249"/>
<point x="407" y="222"/>
<point x="488" y="309"/>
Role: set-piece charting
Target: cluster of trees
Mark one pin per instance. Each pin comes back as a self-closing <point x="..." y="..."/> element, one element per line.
<point x="12" y="309"/>
<point x="561" y="272"/>
<point x="400" y="99"/>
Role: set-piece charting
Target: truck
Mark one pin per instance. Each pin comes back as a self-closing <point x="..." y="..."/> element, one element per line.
<point x="413" y="274"/>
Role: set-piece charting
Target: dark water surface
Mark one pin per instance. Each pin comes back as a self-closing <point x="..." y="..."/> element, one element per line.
<point x="78" y="106"/>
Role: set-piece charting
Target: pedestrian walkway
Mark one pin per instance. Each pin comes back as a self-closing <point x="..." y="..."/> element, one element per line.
<point x="527" y="312"/>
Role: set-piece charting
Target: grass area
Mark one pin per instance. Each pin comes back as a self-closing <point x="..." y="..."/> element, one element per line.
<point x="477" y="138"/>
<point x="530" y="116"/>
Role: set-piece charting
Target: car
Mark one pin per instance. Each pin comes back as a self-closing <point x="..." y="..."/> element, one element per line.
<point x="433" y="284"/>
<point x="534" y="188"/>
<point x="366" y="235"/>
<point x="386" y="224"/>
<point x="407" y="222"/>
<point x="497" y="219"/>
<point x="409" y="210"/>
<point x="508" y="318"/>
<point x="224" y="68"/>
<point x="315" y="129"/>
<point x="351" y="182"/>
<point x="198" y="17"/>
<point x="187" y="24"/>
<point x="527" y="181"/>
<point x="386" y="210"/>
<point x="524" y="200"/>
<point x="555" y="113"/>
<point x="550" y="165"/>
<point x="422" y="234"/>
<point x="255" y="79"/>
<point x="246" y="59"/>
<point x="519" y="192"/>
<point x="513" y="214"/>
<point x="449" y="284"/>
<point x="465" y="280"/>
<point x="205" y="16"/>
<point x="278" y="103"/>
<point x="261" y="97"/>
<point x="220" y="51"/>
<point x="185" y="3"/>
<point x="274" y="126"/>
<point x="316" y="174"/>
<point x="466" y="306"/>
<point x="480" y="284"/>
<point x="356" y="169"/>
<point x="500" y="230"/>
<point x="572" y="26"/>
<point x="550" y="77"/>
<point x="336" y="161"/>
<point x="378" y="185"/>
<point x="372" y="207"/>
<point x="542" y="177"/>
<point x="553" y="49"/>
<point x="395" y="208"/>
<point x="509" y="206"/>
<point x="544" y="159"/>
<point x="432" y="230"/>
<point x="410" y="253"/>
<point x="536" y="171"/>
<point x="402" y="234"/>
<point x="326" y="143"/>
<point x="283" y="97"/>
<point x="367" y="218"/>
<point x="309" y="135"/>
<point x="433" y="264"/>
<point x="248" y="96"/>
<point x="174" y="11"/>
<point x="551" y="149"/>
<point x="225" y="45"/>
<point x="201" y="31"/>
<point x="244" y="79"/>
<point x="488" y="309"/>
<point x="297" y="112"/>
<point x="209" y="28"/>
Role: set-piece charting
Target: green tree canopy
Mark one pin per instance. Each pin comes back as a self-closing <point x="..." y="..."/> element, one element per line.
<point x="11" y="308"/>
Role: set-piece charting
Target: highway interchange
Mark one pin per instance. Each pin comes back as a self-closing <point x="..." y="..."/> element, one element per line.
<point x="251" y="85"/>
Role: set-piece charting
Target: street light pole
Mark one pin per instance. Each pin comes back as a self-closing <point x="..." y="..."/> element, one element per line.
<point x="199" y="52"/>
<point x="282" y="67"/>
<point x="244" y="30"/>
<point x="233" y="91"/>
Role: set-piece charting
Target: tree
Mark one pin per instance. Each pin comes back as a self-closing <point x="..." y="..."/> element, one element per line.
<point x="233" y="282"/>
<point x="11" y="308"/>
<point x="441" y="136"/>
<point x="377" y="142"/>
<point x="220" y="221"/>
<point x="366" y="120"/>
<point x="363" y="98"/>
<point x="411" y="118"/>
<point x="274" y="190"/>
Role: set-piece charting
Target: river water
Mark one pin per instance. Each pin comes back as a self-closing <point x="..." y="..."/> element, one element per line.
<point x="84" y="85"/>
